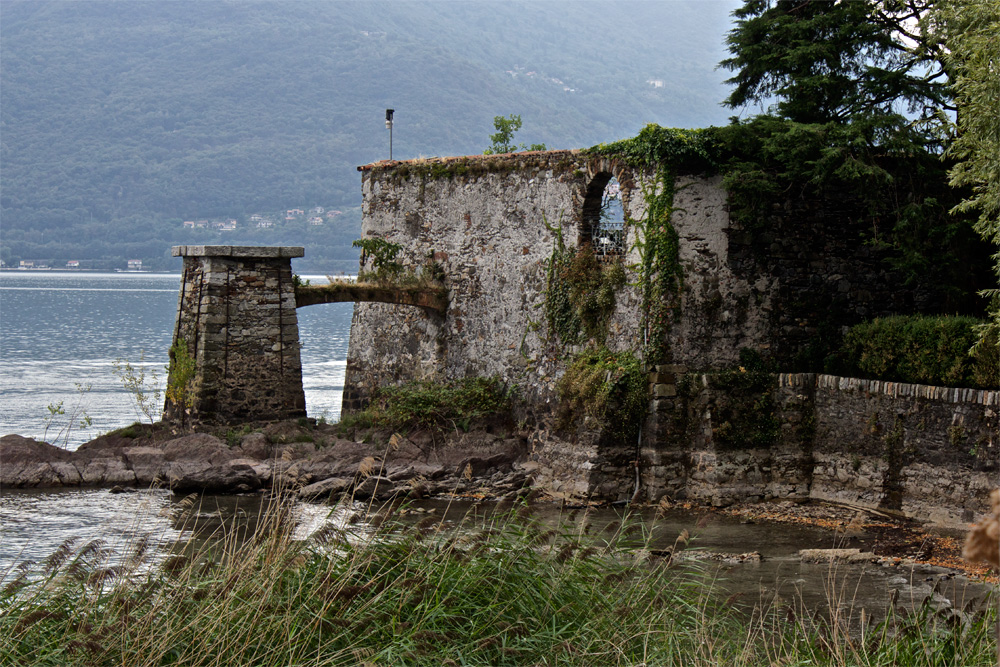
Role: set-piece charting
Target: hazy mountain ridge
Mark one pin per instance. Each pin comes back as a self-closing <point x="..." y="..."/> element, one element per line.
<point x="141" y="114"/>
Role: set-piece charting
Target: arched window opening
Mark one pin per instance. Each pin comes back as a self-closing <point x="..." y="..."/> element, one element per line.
<point x="604" y="218"/>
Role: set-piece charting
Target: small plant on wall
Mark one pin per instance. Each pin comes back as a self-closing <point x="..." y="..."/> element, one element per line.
<point x="748" y="417"/>
<point x="383" y="255"/>
<point x="180" y="381"/>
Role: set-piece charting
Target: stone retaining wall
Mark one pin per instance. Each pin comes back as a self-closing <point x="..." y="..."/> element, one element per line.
<point x="924" y="452"/>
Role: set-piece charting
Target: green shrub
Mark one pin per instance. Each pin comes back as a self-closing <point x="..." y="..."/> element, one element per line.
<point x="918" y="349"/>
<point x="746" y="415"/>
<point x="425" y="404"/>
<point x="608" y="386"/>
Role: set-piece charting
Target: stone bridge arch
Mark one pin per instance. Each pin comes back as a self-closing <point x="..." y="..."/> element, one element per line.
<point x="236" y="317"/>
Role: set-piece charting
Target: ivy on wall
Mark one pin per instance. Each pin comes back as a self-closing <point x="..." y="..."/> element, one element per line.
<point x="580" y="291"/>
<point x="660" y="275"/>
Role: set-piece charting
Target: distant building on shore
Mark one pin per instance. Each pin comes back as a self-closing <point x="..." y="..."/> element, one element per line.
<point x="135" y="265"/>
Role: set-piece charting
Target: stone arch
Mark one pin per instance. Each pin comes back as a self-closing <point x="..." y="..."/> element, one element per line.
<point x="606" y="235"/>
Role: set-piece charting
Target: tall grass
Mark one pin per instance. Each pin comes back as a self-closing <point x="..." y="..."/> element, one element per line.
<point x="501" y="589"/>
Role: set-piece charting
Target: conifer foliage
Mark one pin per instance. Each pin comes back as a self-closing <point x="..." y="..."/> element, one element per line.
<point x="866" y="62"/>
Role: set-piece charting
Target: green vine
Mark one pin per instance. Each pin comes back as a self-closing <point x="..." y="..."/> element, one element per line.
<point x="660" y="274"/>
<point x="580" y="291"/>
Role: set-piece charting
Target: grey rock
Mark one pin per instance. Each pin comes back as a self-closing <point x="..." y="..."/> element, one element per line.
<point x="256" y="446"/>
<point x="374" y="487"/>
<point x="327" y="489"/>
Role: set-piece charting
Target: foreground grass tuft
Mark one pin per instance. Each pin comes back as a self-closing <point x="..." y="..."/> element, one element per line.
<point x="497" y="590"/>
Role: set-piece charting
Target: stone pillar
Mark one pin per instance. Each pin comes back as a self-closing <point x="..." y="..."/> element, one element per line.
<point x="236" y="314"/>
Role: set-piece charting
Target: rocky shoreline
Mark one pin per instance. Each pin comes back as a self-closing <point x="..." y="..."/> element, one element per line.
<point x="323" y="462"/>
<point x="316" y="461"/>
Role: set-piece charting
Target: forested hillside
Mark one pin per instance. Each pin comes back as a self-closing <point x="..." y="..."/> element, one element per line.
<point x="122" y="120"/>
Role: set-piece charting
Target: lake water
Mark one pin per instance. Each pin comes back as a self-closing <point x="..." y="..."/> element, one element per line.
<point x="61" y="333"/>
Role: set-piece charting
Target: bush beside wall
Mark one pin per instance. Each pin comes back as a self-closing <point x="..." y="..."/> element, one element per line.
<point x="918" y="350"/>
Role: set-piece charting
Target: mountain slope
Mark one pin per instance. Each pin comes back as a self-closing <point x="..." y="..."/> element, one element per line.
<point x="124" y="118"/>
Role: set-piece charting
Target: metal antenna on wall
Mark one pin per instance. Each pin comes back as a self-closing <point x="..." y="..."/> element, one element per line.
<point x="388" y="126"/>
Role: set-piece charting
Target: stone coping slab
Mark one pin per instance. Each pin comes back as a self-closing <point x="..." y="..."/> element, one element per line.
<point x="263" y="252"/>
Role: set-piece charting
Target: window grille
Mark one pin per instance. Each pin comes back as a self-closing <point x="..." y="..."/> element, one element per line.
<point x="607" y="233"/>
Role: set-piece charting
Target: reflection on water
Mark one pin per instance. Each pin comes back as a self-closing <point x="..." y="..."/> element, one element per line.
<point x="34" y="524"/>
<point x="60" y="334"/>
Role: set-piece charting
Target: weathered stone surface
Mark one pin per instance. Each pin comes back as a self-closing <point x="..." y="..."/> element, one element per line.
<point x="200" y="447"/>
<point x="375" y="487"/>
<point x="200" y="476"/>
<point x="106" y="471"/>
<point x="256" y="446"/>
<point x="924" y="452"/>
<point x="236" y="313"/>
<point x="29" y="463"/>
<point x="327" y="489"/>
<point x="836" y="555"/>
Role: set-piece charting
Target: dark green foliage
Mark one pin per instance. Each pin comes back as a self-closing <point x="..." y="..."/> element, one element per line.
<point x="898" y="199"/>
<point x="921" y="350"/>
<point x="836" y="62"/>
<point x="859" y="88"/>
<point x="611" y="387"/>
<point x="747" y="415"/>
<point x="427" y="404"/>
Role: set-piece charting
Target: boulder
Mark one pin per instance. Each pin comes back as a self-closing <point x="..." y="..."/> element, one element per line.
<point x="101" y="471"/>
<point x="256" y="446"/>
<point x="191" y="476"/>
<point x="328" y="489"/>
<point x="374" y="487"/>
<point x="198" y="447"/>
<point x="25" y="462"/>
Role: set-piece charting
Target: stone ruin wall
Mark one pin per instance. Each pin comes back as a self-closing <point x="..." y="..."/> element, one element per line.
<point x="489" y="223"/>
<point x="236" y="312"/>
<point x="492" y="233"/>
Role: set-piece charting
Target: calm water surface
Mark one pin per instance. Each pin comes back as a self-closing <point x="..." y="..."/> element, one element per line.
<point x="61" y="332"/>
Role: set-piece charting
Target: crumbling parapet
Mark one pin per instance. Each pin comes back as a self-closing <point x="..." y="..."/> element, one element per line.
<point x="236" y="316"/>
